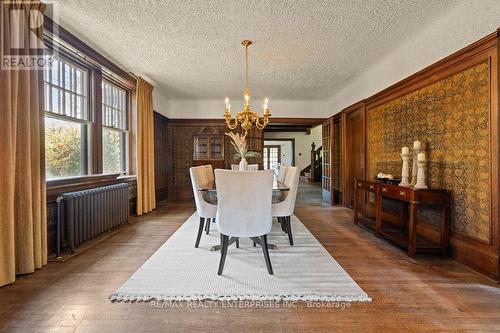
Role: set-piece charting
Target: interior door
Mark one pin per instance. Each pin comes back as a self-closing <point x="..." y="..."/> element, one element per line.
<point x="355" y="152"/>
<point x="271" y="157"/>
<point x="326" y="182"/>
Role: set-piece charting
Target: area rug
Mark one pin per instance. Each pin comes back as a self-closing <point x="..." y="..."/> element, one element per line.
<point x="179" y="271"/>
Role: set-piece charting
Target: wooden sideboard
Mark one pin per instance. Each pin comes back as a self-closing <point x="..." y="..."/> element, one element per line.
<point x="404" y="233"/>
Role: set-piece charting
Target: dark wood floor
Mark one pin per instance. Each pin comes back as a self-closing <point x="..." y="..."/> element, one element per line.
<point x="422" y="294"/>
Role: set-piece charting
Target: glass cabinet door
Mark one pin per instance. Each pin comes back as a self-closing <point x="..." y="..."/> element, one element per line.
<point x="208" y="147"/>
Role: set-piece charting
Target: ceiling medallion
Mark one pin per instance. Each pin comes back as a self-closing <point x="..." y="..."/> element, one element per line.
<point x="247" y="118"/>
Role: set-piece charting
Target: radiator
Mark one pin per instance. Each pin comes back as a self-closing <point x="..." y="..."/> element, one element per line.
<point x="86" y="214"/>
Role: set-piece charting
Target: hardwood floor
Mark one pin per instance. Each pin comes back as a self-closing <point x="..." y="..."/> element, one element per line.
<point x="422" y="294"/>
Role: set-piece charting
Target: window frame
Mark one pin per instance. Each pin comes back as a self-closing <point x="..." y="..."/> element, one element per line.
<point x="98" y="68"/>
<point x="85" y="124"/>
<point x="124" y="131"/>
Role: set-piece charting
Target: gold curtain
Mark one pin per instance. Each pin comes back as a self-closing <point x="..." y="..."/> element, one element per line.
<point x="146" y="200"/>
<point x="23" y="223"/>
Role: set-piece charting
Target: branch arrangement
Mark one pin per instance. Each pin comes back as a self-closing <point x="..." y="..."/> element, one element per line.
<point x="240" y="144"/>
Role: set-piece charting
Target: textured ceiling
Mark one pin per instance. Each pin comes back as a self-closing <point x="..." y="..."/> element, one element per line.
<point x="302" y="49"/>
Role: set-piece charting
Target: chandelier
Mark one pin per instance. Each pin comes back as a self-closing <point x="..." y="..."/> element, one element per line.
<point x="247" y="117"/>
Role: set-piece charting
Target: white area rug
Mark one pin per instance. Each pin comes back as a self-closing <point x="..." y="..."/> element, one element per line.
<point x="179" y="271"/>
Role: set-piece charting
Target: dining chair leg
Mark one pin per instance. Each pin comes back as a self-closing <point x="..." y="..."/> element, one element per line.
<point x="289" y="230"/>
<point x="223" y="252"/>
<point x="254" y="244"/>
<point x="207" y="227"/>
<point x="237" y="243"/>
<point x="200" y="231"/>
<point x="282" y="222"/>
<point x="266" y="254"/>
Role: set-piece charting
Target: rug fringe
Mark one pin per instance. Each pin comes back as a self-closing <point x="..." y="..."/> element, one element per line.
<point x="312" y="297"/>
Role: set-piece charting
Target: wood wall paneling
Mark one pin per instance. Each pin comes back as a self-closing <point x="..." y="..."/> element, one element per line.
<point x="355" y="150"/>
<point x="475" y="246"/>
<point x="337" y="155"/>
<point x="162" y="159"/>
<point x="181" y="133"/>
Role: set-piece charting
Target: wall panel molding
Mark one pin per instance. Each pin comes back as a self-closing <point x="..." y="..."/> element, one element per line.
<point x="480" y="253"/>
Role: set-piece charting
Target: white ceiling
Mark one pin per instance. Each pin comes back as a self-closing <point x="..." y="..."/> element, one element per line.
<point x="303" y="49"/>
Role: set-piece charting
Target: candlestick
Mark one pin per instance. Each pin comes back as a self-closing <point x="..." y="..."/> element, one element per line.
<point x="406" y="168"/>
<point x="421" y="156"/>
<point x="421" y="174"/>
<point x="417" y="144"/>
<point x="405" y="150"/>
<point x="414" y="168"/>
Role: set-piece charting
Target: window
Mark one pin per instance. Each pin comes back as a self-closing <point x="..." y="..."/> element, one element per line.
<point x="114" y="131"/>
<point x="66" y="119"/>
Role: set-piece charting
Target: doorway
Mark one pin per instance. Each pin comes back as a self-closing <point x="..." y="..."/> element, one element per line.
<point x="271" y="157"/>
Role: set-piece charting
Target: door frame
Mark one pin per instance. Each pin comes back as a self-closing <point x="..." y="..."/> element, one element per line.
<point x="285" y="139"/>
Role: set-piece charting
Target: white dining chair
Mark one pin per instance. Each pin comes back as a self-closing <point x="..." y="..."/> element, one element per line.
<point x="244" y="209"/>
<point x="210" y="182"/>
<point x="251" y="167"/>
<point x="205" y="210"/>
<point x="284" y="209"/>
<point x="209" y="174"/>
<point x="282" y="173"/>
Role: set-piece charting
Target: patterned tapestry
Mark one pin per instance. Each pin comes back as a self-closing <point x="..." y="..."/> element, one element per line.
<point x="451" y="117"/>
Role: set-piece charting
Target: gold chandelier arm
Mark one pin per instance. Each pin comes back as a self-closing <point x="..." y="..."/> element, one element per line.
<point x="231" y="125"/>
<point x="259" y="124"/>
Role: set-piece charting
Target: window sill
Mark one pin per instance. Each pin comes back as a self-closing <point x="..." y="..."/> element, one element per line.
<point x="70" y="184"/>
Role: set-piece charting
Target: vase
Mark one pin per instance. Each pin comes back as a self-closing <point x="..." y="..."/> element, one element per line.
<point x="243" y="164"/>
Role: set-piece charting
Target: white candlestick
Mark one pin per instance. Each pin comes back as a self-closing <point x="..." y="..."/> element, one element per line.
<point x="414" y="167"/>
<point x="421" y="175"/>
<point x="417" y="145"/>
<point x="405" y="151"/>
<point x="405" y="173"/>
<point x="421" y="157"/>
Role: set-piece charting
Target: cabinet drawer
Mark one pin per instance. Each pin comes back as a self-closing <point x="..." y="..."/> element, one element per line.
<point x="368" y="186"/>
<point x="397" y="192"/>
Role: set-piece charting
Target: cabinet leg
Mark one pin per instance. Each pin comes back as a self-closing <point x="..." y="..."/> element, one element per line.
<point x="412" y="231"/>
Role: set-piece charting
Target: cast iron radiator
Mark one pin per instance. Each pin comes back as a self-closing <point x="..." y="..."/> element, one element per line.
<point x="85" y="214"/>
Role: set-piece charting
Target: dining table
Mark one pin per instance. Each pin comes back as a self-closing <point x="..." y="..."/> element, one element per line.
<point x="210" y="195"/>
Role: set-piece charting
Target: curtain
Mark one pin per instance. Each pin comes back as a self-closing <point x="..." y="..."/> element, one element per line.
<point x="146" y="200"/>
<point x="23" y="222"/>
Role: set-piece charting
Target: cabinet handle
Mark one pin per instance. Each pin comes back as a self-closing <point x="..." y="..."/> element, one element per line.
<point x="402" y="193"/>
<point x="359" y="184"/>
<point x="371" y="187"/>
<point x="384" y="189"/>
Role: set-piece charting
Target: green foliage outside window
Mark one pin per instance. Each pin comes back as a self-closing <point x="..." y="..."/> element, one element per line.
<point x="112" y="152"/>
<point x="62" y="148"/>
